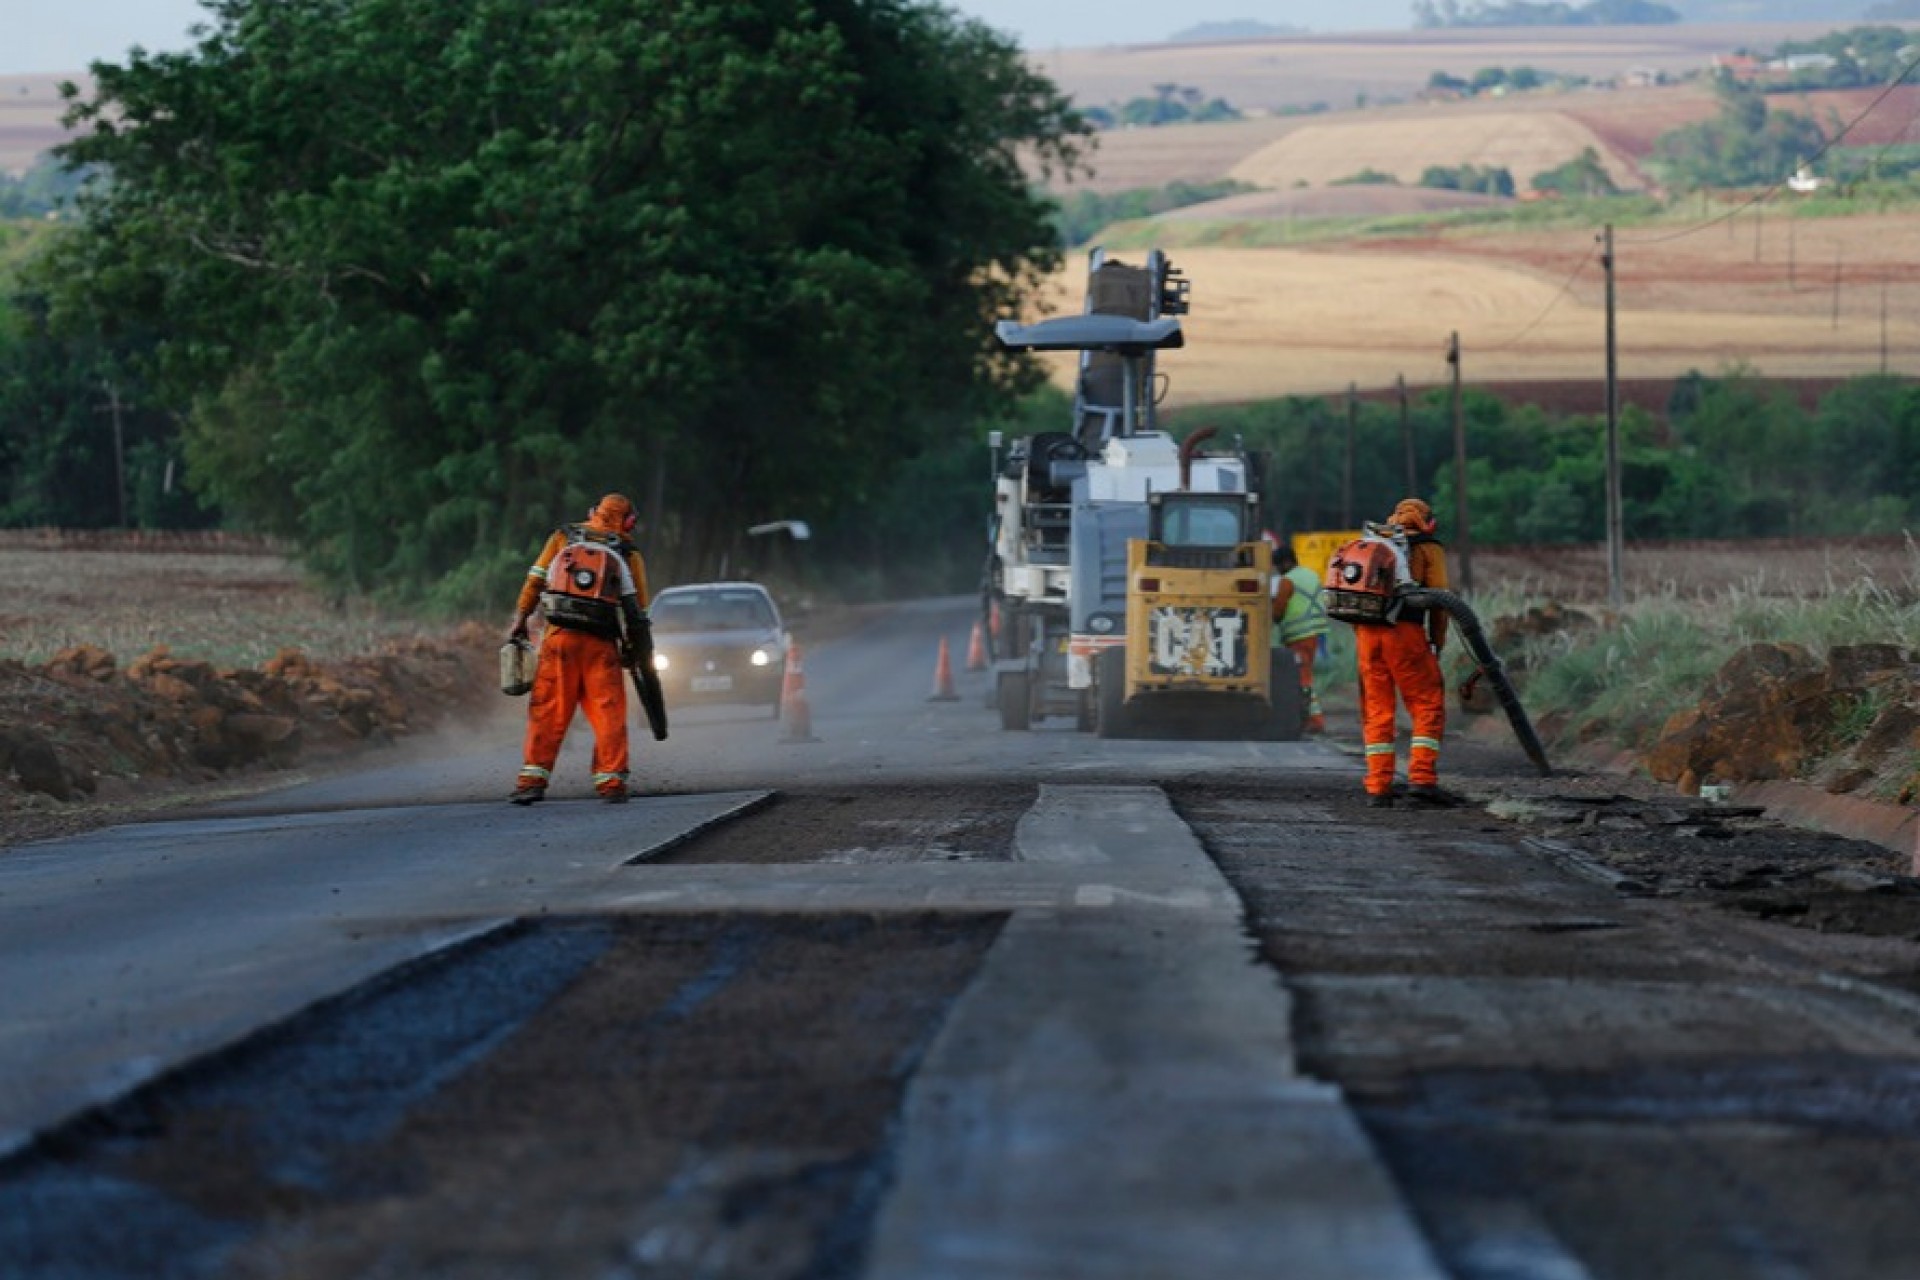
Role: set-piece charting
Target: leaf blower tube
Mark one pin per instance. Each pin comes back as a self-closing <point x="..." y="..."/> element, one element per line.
<point x="1490" y="666"/>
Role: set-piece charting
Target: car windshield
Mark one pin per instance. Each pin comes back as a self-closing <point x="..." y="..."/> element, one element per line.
<point x="711" y="611"/>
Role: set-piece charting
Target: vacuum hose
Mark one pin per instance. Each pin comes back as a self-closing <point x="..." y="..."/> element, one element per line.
<point x="1490" y="666"/>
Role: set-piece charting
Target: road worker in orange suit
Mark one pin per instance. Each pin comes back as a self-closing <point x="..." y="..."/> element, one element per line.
<point x="592" y="585"/>
<point x="1404" y="659"/>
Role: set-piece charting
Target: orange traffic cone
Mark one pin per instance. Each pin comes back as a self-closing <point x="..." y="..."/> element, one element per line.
<point x="977" y="649"/>
<point x="793" y="700"/>
<point x="943" y="690"/>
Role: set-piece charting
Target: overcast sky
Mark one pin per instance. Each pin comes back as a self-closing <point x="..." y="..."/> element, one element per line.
<point x="65" y="35"/>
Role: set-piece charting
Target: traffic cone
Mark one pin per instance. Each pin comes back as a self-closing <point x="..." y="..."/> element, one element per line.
<point x="977" y="649"/>
<point x="793" y="700"/>
<point x="943" y="690"/>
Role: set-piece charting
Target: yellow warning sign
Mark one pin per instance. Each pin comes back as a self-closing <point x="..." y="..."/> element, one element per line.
<point x="1313" y="550"/>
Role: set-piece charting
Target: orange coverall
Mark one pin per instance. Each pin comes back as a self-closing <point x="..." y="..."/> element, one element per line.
<point x="578" y="670"/>
<point x="1404" y="659"/>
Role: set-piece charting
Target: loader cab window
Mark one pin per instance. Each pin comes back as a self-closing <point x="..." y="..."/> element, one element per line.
<point x="1201" y="524"/>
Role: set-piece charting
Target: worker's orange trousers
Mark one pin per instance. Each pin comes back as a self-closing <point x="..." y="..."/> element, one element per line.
<point x="1304" y="652"/>
<point x="577" y="671"/>
<point x="1397" y="659"/>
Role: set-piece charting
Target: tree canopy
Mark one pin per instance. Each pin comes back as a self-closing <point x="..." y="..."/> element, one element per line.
<point x="1745" y="145"/>
<point x="423" y="277"/>
<point x="1521" y="13"/>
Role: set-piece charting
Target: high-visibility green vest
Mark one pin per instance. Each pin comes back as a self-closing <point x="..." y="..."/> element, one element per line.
<point x="1304" y="618"/>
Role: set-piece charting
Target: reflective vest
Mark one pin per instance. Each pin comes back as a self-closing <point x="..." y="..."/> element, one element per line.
<point x="1305" y="617"/>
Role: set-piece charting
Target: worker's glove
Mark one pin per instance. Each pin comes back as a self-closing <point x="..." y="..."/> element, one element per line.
<point x="518" y="631"/>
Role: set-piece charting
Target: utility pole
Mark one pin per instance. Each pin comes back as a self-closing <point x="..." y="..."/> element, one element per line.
<point x="113" y="407"/>
<point x="1406" y="436"/>
<point x="1346" y="472"/>
<point x="1313" y="454"/>
<point x="1464" y="538"/>
<point x="1838" y="250"/>
<point x="1883" y="326"/>
<point x="1616" y="535"/>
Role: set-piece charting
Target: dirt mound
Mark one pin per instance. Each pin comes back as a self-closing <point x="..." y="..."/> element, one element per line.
<point x="1775" y="711"/>
<point x="80" y="724"/>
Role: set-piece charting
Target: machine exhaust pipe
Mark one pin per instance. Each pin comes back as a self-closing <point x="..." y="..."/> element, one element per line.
<point x="1490" y="667"/>
<point x="1187" y="449"/>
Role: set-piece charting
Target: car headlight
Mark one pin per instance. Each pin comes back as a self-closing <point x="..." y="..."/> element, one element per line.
<point x="659" y="661"/>
<point x="760" y="657"/>
<point x="1100" y="623"/>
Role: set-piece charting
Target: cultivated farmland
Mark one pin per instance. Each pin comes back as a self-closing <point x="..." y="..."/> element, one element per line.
<point x="1530" y="306"/>
<point x="1303" y="287"/>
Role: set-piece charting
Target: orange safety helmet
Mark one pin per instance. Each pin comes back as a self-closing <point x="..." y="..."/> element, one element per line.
<point x="613" y="512"/>
<point x="1414" y="516"/>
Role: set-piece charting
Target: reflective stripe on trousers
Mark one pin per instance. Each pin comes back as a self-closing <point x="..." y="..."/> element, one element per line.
<point x="1393" y="660"/>
<point x="577" y="671"/>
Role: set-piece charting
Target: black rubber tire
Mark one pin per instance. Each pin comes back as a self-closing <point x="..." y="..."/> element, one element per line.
<point x="1110" y="718"/>
<point x="1287" y="701"/>
<point x="1016" y="700"/>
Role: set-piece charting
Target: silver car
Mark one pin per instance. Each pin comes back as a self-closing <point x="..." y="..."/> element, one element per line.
<point x="719" y="642"/>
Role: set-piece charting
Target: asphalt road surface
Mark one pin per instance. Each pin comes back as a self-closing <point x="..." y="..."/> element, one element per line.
<point x="918" y="997"/>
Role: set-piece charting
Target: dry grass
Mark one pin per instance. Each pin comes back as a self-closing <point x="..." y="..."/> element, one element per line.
<point x="231" y="610"/>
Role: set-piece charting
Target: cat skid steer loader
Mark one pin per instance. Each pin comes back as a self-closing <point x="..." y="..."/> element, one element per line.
<point x="1197" y="659"/>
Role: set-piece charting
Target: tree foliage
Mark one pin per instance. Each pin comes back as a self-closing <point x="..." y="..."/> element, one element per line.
<point x="1745" y="145"/>
<point x="1856" y="57"/>
<point x="426" y="276"/>
<point x="1732" y="457"/>
<point x="44" y="190"/>
<point x="1556" y="13"/>
<point x="1491" y="180"/>
<point x="1170" y="104"/>
<point x="1584" y="175"/>
<point x="1084" y="214"/>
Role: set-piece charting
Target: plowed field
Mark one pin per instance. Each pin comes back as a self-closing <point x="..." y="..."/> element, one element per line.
<point x="1791" y="298"/>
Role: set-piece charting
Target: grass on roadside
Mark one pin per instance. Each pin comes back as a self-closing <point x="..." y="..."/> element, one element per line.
<point x="1621" y="680"/>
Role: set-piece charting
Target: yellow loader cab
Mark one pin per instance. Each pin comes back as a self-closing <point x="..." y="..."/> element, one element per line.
<point x="1199" y="660"/>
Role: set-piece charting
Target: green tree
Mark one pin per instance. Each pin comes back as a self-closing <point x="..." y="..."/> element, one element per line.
<point x="1084" y="214"/>
<point x="429" y="274"/>
<point x="1492" y="181"/>
<point x="1746" y="145"/>
<point x="1584" y="175"/>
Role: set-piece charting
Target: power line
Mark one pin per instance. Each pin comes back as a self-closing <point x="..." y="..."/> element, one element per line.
<point x="1566" y="287"/>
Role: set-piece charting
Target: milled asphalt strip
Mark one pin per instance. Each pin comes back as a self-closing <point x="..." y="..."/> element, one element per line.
<point x="1115" y="1096"/>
